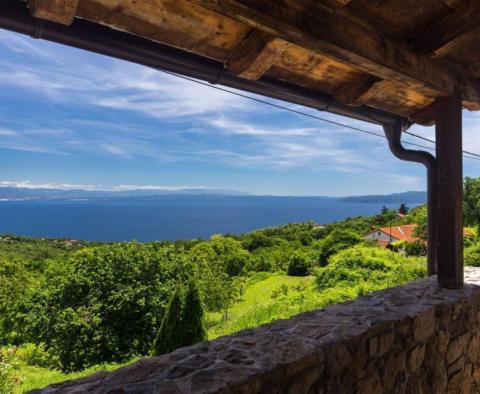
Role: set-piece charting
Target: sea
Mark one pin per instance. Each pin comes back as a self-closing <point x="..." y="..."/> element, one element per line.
<point x="170" y="218"/>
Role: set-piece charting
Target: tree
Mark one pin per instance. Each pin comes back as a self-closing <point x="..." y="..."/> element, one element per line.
<point x="471" y="201"/>
<point x="257" y="240"/>
<point x="403" y="209"/>
<point x="108" y="305"/>
<point x="420" y="218"/>
<point x="298" y="265"/>
<point x="193" y="326"/>
<point x="336" y="241"/>
<point x="168" y="337"/>
<point x="384" y="210"/>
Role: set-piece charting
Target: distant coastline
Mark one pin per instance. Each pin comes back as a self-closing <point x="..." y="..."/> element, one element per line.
<point x="9" y="194"/>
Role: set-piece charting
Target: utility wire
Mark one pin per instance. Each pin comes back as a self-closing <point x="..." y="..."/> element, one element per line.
<point x="433" y="142"/>
<point x="474" y="156"/>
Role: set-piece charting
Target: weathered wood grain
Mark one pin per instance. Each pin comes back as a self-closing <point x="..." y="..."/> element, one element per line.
<point x="345" y="41"/>
<point x="450" y="33"/>
<point x="59" y="11"/>
<point x="255" y="55"/>
<point x="360" y="91"/>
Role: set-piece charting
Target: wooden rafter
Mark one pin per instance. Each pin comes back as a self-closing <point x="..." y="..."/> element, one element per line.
<point x="59" y="11"/>
<point x="254" y="56"/>
<point x="360" y="91"/>
<point x="344" y="40"/>
<point x="451" y="32"/>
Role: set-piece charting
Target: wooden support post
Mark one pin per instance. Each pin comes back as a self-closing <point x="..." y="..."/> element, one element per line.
<point x="449" y="191"/>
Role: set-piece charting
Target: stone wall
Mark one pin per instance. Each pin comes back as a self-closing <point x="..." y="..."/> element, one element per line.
<point x="415" y="338"/>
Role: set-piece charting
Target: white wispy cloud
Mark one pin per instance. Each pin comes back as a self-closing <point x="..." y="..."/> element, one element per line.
<point x="155" y="115"/>
<point x="230" y="126"/>
<point x="7" y="132"/>
<point x="19" y="44"/>
<point x="67" y="186"/>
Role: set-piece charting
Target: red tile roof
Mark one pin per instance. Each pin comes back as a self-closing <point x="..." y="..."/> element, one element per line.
<point x="405" y="233"/>
<point x="401" y="233"/>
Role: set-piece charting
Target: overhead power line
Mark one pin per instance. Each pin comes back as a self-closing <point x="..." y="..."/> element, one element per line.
<point x="473" y="156"/>
<point x="433" y="142"/>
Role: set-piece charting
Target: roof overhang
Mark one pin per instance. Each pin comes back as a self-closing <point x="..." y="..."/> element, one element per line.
<point x="93" y="37"/>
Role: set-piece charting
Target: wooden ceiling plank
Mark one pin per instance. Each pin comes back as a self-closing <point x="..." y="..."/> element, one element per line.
<point x="346" y="41"/>
<point x="59" y="11"/>
<point x="255" y="55"/>
<point x="358" y="92"/>
<point x="451" y="32"/>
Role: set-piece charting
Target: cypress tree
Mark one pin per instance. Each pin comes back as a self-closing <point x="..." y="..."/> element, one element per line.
<point x="167" y="338"/>
<point x="193" y="326"/>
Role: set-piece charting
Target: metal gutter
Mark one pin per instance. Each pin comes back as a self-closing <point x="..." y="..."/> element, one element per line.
<point x="393" y="132"/>
<point x="93" y="37"/>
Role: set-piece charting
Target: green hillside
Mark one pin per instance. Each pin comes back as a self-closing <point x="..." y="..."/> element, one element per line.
<point x="68" y="309"/>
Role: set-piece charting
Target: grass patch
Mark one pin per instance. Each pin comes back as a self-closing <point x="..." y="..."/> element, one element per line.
<point x="274" y="297"/>
<point x="35" y="377"/>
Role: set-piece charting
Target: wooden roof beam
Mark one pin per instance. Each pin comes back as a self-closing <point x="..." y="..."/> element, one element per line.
<point x="360" y="91"/>
<point x="59" y="11"/>
<point x="255" y="55"/>
<point x="425" y="116"/>
<point x="451" y="32"/>
<point x="335" y="3"/>
<point x="344" y="40"/>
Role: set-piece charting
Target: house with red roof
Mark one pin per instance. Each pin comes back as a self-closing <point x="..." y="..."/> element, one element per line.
<point x="385" y="236"/>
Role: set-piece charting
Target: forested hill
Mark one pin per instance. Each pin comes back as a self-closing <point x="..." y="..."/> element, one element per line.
<point x="395" y="198"/>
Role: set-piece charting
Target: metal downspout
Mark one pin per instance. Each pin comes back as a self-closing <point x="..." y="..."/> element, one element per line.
<point x="393" y="132"/>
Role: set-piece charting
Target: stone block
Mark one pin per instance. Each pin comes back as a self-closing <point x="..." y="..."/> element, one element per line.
<point x="415" y="358"/>
<point x="457" y="347"/>
<point x="424" y="325"/>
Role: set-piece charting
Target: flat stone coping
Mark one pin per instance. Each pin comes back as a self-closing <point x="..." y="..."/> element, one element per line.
<point x="282" y="356"/>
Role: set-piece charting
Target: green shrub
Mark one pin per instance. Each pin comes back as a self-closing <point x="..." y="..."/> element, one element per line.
<point x="472" y="255"/>
<point x="416" y="248"/>
<point x="333" y="243"/>
<point x="9" y="378"/>
<point x="298" y="265"/>
<point x="37" y="355"/>
<point x="369" y="264"/>
<point x="262" y="263"/>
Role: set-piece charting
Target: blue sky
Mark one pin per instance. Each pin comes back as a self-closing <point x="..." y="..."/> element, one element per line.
<point x="69" y="117"/>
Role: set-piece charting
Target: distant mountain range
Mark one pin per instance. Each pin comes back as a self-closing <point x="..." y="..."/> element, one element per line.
<point x="34" y="194"/>
<point x="17" y="193"/>
<point x="394" y="198"/>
